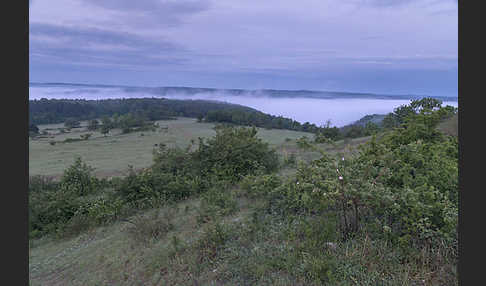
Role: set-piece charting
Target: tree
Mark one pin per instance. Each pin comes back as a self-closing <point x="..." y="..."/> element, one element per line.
<point x="78" y="178"/>
<point x="93" y="124"/>
<point x="72" y="123"/>
<point x="33" y="128"/>
<point x="105" y="129"/>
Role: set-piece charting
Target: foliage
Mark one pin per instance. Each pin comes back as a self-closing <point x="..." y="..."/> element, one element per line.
<point x="153" y="188"/>
<point x="303" y="143"/>
<point x="234" y="153"/>
<point x="78" y="178"/>
<point x="39" y="183"/>
<point x="72" y="123"/>
<point x="93" y="124"/>
<point x="85" y="136"/>
<point x="216" y="202"/>
<point x="404" y="184"/>
<point x="33" y="130"/>
<point x="325" y="134"/>
<point x="48" y="111"/>
<point x="258" y="186"/>
<point x="419" y="106"/>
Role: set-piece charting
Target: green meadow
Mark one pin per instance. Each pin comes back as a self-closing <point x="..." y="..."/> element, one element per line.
<point x="111" y="155"/>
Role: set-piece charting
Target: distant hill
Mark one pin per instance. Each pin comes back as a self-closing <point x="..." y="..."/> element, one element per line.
<point x="188" y="91"/>
<point x="374" y="118"/>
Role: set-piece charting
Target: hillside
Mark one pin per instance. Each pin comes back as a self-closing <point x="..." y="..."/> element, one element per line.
<point x="233" y="209"/>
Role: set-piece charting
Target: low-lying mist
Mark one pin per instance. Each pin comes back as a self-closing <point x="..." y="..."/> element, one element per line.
<point x="340" y="111"/>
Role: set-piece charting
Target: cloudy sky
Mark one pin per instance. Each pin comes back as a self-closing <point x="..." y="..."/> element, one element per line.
<point x="380" y="46"/>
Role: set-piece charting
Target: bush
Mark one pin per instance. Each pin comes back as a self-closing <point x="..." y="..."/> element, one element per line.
<point x="152" y="188"/>
<point x="78" y="178"/>
<point x="403" y="185"/>
<point x="39" y="183"/>
<point x="234" y="153"/>
<point x="50" y="210"/>
<point x="290" y="160"/>
<point x="260" y="186"/>
<point x="72" y="123"/>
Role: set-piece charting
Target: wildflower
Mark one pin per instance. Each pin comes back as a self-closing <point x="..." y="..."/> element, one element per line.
<point x="343" y="158"/>
<point x="341" y="178"/>
<point x="297" y="183"/>
<point x="337" y="170"/>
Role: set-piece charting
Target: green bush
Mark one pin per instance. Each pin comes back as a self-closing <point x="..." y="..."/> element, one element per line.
<point x="52" y="205"/>
<point x="405" y="184"/>
<point x="156" y="187"/>
<point x="260" y="186"/>
<point x="234" y="153"/>
<point x="78" y="178"/>
<point x="39" y="183"/>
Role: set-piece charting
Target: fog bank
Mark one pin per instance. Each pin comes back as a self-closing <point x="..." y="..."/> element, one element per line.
<point x="340" y="111"/>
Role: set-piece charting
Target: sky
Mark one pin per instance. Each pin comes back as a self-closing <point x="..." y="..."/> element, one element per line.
<point x="376" y="46"/>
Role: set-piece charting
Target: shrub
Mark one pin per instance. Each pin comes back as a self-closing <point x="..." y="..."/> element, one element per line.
<point x="78" y="178"/>
<point x="290" y="160"/>
<point x="303" y="143"/>
<point x="234" y="153"/>
<point x="39" y="183"/>
<point x="72" y="123"/>
<point x="50" y="210"/>
<point x="93" y="124"/>
<point x="260" y="186"/>
<point x="405" y="184"/>
<point x="85" y="136"/>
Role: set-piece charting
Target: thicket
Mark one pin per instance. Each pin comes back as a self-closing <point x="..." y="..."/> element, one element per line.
<point x="176" y="174"/>
<point x="402" y="186"/>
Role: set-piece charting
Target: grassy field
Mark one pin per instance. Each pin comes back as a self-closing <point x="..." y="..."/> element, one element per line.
<point x="112" y="154"/>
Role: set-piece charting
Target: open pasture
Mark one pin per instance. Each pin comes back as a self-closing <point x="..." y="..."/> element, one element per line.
<point x="112" y="154"/>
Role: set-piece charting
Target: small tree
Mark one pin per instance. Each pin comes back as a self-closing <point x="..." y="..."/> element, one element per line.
<point x="72" y="123"/>
<point x="85" y="136"/>
<point x="77" y="178"/>
<point x="93" y="124"/>
<point x="33" y="128"/>
<point x="105" y="130"/>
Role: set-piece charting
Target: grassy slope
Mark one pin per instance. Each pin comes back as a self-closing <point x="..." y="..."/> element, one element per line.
<point x="108" y="256"/>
